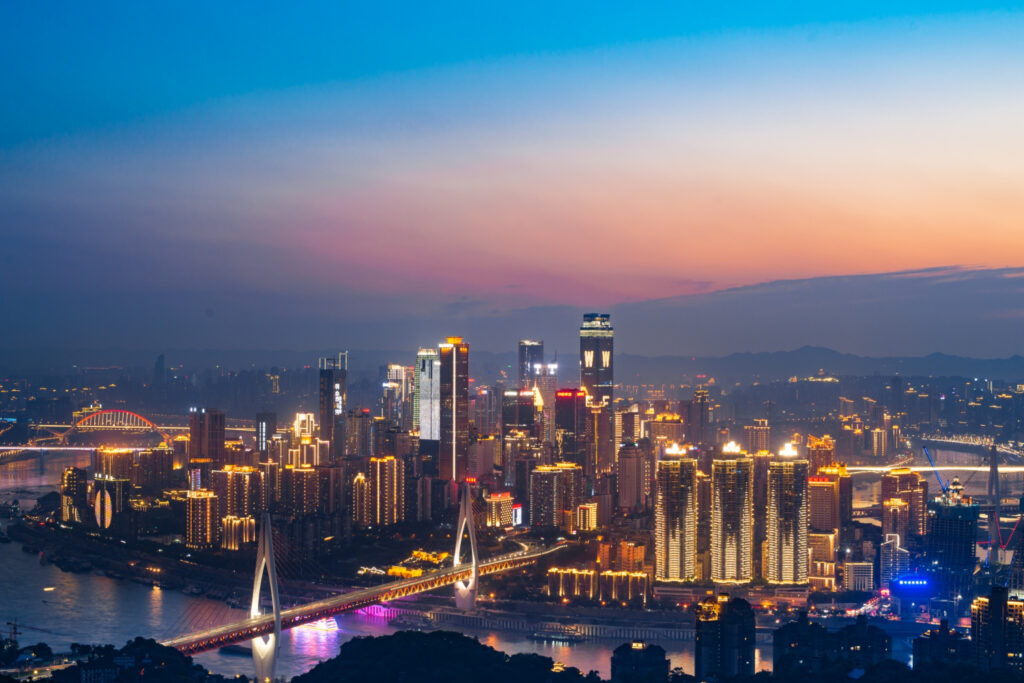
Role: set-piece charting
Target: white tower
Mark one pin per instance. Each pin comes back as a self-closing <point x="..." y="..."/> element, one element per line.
<point x="465" y="592"/>
<point x="264" y="648"/>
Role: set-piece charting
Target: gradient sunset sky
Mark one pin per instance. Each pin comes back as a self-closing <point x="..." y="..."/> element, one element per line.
<point x="227" y="175"/>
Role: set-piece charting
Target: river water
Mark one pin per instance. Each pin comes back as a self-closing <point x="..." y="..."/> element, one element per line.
<point x="61" y="608"/>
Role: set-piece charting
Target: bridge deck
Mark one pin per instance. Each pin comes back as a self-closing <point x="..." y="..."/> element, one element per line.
<point x="314" y="611"/>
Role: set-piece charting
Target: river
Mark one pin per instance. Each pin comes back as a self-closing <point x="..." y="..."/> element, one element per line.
<point x="61" y="608"/>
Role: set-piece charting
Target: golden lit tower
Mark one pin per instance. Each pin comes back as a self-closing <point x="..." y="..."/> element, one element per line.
<point x="596" y="346"/>
<point x="732" y="520"/>
<point x="787" y="518"/>
<point x="453" y="450"/>
<point x="675" y="520"/>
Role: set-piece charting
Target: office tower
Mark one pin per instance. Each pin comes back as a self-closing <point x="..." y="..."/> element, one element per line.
<point x="499" y="509"/>
<point x="202" y="524"/>
<point x="732" y="512"/>
<point x="758" y="436"/>
<point x="486" y="410"/>
<point x="531" y="354"/>
<point x="820" y="452"/>
<point x="266" y="427"/>
<point x="206" y="437"/>
<point x="638" y="662"/>
<point x="675" y="520"/>
<point x="333" y="402"/>
<point x="596" y="358"/>
<point x="74" y="495"/>
<point x="599" y="451"/>
<point x="571" y="425"/>
<point x="113" y="462"/>
<point x="859" y="576"/>
<point x="787" y="520"/>
<point x="237" y="532"/>
<point x="627" y="427"/>
<point x="426" y="407"/>
<point x="699" y="417"/>
<point x="239" y="491"/>
<point x="823" y="498"/>
<point x="837" y="472"/>
<point x="554" y="489"/>
<point x="545" y="380"/>
<point x="634" y="472"/>
<point x="822" y="549"/>
<point x="725" y="639"/>
<point x="453" y="448"/>
<point x="949" y="543"/>
<point x="893" y="561"/>
<point x="912" y="488"/>
<point x="997" y="631"/>
<point x="519" y="412"/>
<point x="895" y="517"/>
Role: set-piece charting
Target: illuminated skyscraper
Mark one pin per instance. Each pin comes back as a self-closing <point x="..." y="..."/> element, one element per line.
<point x="202" y="524"/>
<point x="553" y="490"/>
<point x="519" y="412"/>
<point x="675" y="520"/>
<point x="387" y="491"/>
<point x="531" y="354"/>
<point x="333" y="400"/>
<point x="893" y="561"/>
<point x="239" y="491"/>
<point x="895" y="517"/>
<point x="758" y="436"/>
<point x="74" y="495"/>
<point x="912" y="488"/>
<point x="596" y="361"/>
<point x="453" y="449"/>
<point x="732" y="520"/>
<point x="237" y="532"/>
<point x="823" y="495"/>
<point x="110" y="501"/>
<point x="820" y="452"/>
<point x="266" y="427"/>
<point x="787" y="520"/>
<point x="837" y="472"/>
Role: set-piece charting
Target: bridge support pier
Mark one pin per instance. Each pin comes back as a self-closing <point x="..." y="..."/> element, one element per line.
<point x="465" y="591"/>
<point x="265" y="648"/>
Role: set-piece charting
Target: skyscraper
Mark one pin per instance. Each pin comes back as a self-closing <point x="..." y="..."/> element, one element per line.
<point x="949" y="543"/>
<point x="453" y="448"/>
<point x="725" y="639"/>
<point x="239" y="491"/>
<point x="893" y="561"/>
<point x="823" y="498"/>
<point x="911" y="488"/>
<point x="787" y="520"/>
<point x="571" y="425"/>
<point x="427" y="407"/>
<point x="531" y="355"/>
<point x="820" y="452"/>
<point x="596" y="361"/>
<point x="732" y="520"/>
<point x="758" y="436"/>
<point x="202" y="525"/>
<point x="554" y="489"/>
<point x="386" y="501"/>
<point x="333" y="402"/>
<point x="997" y="631"/>
<point x="675" y="520"/>
<point x="74" y="495"/>
<point x="266" y="427"/>
<point x="206" y="437"/>
<point x="698" y="418"/>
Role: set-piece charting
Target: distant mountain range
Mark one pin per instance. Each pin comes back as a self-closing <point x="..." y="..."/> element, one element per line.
<point x="486" y="366"/>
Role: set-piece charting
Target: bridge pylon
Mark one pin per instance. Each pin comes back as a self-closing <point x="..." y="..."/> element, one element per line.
<point x="465" y="591"/>
<point x="265" y="648"/>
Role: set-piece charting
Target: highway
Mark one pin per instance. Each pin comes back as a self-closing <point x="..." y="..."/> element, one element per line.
<point x="248" y="629"/>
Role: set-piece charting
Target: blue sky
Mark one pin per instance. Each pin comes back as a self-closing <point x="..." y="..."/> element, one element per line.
<point x="377" y="163"/>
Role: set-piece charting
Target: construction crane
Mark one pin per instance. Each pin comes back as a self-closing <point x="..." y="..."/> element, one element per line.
<point x="944" y="486"/>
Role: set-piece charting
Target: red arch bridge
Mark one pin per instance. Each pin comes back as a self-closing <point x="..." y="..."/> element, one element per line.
<point x="262" y="625"/>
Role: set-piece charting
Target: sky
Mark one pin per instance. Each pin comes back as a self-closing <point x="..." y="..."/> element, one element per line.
<point x="228" y="175"/>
